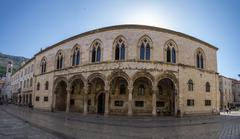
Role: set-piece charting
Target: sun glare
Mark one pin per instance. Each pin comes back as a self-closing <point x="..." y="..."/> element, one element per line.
<point x="146" y="17"/>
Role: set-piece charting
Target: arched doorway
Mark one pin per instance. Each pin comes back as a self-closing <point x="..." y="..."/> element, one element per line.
<point x="101" y="103"/>
<point x="96" y="95"/>
<point x="77" y="96"/>
<point x="142" y="96"/>
<point x="61" y="96"/>
<point x="166" y="97"/>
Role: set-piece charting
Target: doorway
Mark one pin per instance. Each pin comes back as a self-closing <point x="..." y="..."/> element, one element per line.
<point x="101" y="103"/>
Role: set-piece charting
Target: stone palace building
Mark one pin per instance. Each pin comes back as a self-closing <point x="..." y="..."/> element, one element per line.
<point x="124" y="69"/>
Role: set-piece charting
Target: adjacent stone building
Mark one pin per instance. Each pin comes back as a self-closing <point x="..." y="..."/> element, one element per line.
<point x="236" y="92"/>
<point x="22" y="84"/>
<point x="7" y="88"/>
<point x="127" y="70"/>
<point x="226" y="93"/>
<point x="2" y="82"/>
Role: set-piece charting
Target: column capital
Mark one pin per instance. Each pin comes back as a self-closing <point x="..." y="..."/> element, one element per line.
<point x="85" y="90"/>
<point x="68" y="90"/>
<point x="130" y="88"/>
<point x="106" y="87"/>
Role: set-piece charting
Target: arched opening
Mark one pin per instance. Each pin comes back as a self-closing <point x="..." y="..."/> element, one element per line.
<point x="142" y="96"/>
<point x="142" y="51"/>
<point x="95" y="99"/>
<point x="148" y="52"/>
<point x="173" y="55"/>
<point x="77" y="96"/>
<point x="118" y="86"/>
<point x="122" y="52"/>
<point x="101" y="104"/>
<point x="117" y="52"/>
<point x="61" y="96"/>
<point x="118" y="95"/>
<point x="93" y="54"/>
<point x="168" y="55"/>
<point x="166" y="97"/>
<point x="98" y="54"/>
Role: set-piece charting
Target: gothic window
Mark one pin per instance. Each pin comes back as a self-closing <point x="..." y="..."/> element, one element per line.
<point x="145" y="48"/>
<point x="190" y="85"/>
<point x="142" y="51"/>
<point x="207" y="87"/>
<point x="43" y="65"/>
<point x="46" y="85"/>
<point x="93" y="54"/>
<point x="122" y="52"/>
<point x="38" y="86"/>
<point x="200" y="59"/>
<point x="98" y="54"/>
<point x="59" y="60"/>
<point x="173" y="55"/>
<point x="96" y="51"/>
<point x="141" y="90"/>
<point x="171" y="52"/>
<point x="148" y="52"/>
<point x="201" y="62"/>
<point x="119" y="49"/>
<point x="76" y="57"/>
<point x="168" y="55"/>
<point x="117" y="52"/>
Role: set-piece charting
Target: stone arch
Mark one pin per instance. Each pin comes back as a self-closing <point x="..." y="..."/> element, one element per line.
<point x="96" y="95"/>
<point x="143" y="74"/>
<point x="167" y="96"/>
<point x="78" y="76"/>
<point x="96" y="75"/>
<point x="118" y="73"/>
<point x="57" y="80"/>
<point x="142" y="95"/>
<point x="60" y="93"/>
<point x="145" y="37"/>
<point x="77" y="84"/>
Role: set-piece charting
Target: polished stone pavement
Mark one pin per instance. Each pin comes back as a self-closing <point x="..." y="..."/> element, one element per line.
<point x="23" y="123"/>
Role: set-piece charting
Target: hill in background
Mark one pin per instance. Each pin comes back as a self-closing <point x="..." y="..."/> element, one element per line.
<point x="16" y="60"/>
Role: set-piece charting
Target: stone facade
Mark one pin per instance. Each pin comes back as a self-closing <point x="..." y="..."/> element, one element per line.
<point x="23" y="83"/>
<point x="236" y="92"/>
<point x="128" y="70"/>
<point x="226" y="93"/>
<point x="7" y="88"/>
<point x="2" y="82"/>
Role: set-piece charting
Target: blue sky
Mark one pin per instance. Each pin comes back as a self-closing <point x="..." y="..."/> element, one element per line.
<point x="26" y="26"/>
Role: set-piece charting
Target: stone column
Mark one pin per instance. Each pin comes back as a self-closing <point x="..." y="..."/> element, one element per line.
<point x="68" y="99"/>
<point x="154" y="100"/>
<point x="85" y="103"/>
<point x="130" y="111"/>
<point x="106" y="100"/>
